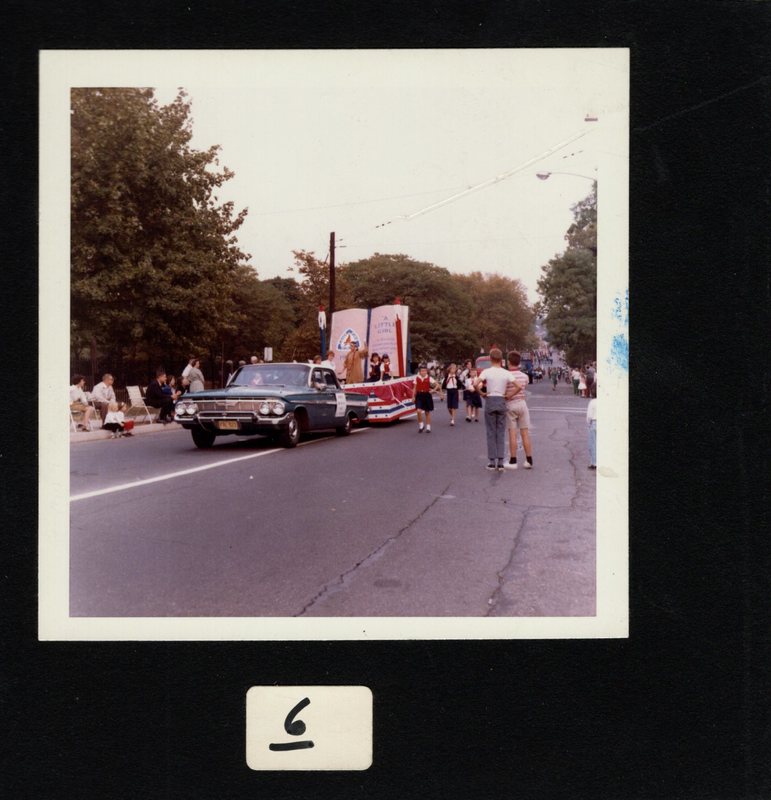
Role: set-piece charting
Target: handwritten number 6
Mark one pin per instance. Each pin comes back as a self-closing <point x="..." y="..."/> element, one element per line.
<point x="296" y="727"/>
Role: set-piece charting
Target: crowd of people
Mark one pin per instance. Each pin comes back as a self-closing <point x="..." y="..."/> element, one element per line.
<point x="101" y="402"/>
<point x="501" y="389"/>
<point x="502" y="392"/>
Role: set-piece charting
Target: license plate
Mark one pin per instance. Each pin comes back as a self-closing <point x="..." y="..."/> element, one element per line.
<point x="227" y="425"/>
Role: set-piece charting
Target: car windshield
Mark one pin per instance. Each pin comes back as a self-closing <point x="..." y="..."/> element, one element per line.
<point x="271" y="375"/>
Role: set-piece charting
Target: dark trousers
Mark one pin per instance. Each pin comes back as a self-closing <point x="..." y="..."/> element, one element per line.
<point x="102" y="408"/>
<point x="495" y="424"/>
<point x="166" y="407"/>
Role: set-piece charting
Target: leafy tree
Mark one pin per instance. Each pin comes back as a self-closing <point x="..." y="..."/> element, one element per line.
<point x="568" y="287"/>
<point x="312" y="291"/>
<point x="500" y="313"/>
<point x="154" y="257"/>
<point x="290" y="290"/>
<point x="439" y="308"/>
<point x="265" y="317"/>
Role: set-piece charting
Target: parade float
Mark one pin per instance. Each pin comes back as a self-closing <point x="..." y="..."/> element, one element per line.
<point x="383" y="330"/>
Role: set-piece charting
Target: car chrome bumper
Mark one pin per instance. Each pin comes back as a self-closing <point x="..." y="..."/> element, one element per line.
<point x="248" y="422"/>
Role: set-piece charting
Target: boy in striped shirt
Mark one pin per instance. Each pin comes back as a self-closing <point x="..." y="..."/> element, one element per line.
<point x="517" y="414"/>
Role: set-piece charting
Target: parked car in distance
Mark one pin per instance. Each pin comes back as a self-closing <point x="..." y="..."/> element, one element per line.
<point x="282" y="401"/>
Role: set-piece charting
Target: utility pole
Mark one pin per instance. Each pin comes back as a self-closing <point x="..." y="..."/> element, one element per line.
<point x="331" y="274"/>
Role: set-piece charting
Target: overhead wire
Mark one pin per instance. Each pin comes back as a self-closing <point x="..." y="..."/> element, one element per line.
<point x="351" y="203"/>
<point x="490" y="181"/>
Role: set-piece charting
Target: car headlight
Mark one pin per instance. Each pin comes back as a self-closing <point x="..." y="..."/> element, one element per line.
<point x="191" y="408"/>
<point x="277" y="408"/>
<point x="264" y="408"/>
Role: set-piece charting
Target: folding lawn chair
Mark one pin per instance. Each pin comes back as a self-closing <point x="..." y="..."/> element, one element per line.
<point x="137" y="401"/>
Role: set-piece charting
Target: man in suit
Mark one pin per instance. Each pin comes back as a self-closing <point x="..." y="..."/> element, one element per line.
<point x="157" y="398"/>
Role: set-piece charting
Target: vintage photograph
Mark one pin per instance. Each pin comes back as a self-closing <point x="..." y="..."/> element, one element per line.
<point x="346" y="342"/>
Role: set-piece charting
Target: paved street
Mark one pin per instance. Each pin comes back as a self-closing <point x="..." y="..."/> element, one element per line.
<point x="384" y="522"/>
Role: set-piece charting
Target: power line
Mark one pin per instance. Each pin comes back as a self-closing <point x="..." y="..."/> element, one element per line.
<point x="352" y="203"/>
<point x="490" y="181"/>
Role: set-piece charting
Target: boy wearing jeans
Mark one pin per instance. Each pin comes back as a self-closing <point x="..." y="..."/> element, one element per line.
<point x="496" y="379"/>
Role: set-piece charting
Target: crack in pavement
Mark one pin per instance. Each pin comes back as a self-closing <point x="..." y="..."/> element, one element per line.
<point x="333" y="586"/>
<point x="493" y="599"/>
<point x="578" y="483"/>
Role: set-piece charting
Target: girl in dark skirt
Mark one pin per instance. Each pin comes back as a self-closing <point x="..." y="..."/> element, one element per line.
<point x="421" y="392"/>
<point x="472" y="397"/>
<point x="452" y="384"/>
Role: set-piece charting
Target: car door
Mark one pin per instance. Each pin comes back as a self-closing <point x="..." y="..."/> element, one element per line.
<point x="338" y="402"/>
<point x="321" y="408"/>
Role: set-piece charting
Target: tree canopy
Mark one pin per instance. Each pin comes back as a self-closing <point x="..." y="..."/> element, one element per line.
<point x="500" y="312"/>
<point x="157" y="273"/>
<point x="155" y="260"/>
<point x="568" y="287"/>
<point x="439" y="308"/>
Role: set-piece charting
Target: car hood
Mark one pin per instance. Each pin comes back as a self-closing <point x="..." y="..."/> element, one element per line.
<point x="245" y="392"/>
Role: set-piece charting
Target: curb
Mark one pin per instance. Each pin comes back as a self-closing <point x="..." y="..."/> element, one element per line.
<point x="139" y="430"/>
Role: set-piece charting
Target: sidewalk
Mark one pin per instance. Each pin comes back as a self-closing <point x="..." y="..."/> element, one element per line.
<point x="139" y="430"/>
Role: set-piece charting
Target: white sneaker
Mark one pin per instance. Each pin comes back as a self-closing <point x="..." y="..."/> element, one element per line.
<point x="508" y="465"/>
<point x="527" y="465"/>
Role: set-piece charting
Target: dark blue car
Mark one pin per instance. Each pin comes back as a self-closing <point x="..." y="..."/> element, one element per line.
<point x="281" y="401"/>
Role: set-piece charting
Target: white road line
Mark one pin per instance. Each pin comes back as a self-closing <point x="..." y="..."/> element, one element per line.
<point x="121" y="487"/>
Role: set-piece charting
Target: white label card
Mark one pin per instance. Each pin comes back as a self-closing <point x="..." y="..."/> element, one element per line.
<point x="309" y="727"/>
<point x="341" y="404"/>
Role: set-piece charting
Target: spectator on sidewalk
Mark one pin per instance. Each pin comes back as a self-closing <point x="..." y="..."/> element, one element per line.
<point x="582" y="383"/>
<point x="195" y="376"/>
<point x="115" y="420"/>
<point x="79" y="402"/>
<point x="591" y="421"/>
<point x="494" y="380"/>
<point x="188" y="366"/>
<point x="575" y="376"/>
<point x="517" y="414"/>
<point x="103" y="394"/>
<point x="329" y="361"/>
<point x="155" y="397"/>
<point x="170" y="388"/>
<point x="589" y="377"/>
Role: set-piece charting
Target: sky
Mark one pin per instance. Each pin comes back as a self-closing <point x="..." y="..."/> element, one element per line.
<point x="346" y="141"/>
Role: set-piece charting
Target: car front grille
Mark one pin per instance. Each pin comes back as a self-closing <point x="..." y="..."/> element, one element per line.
<point x="223" y="406"/>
